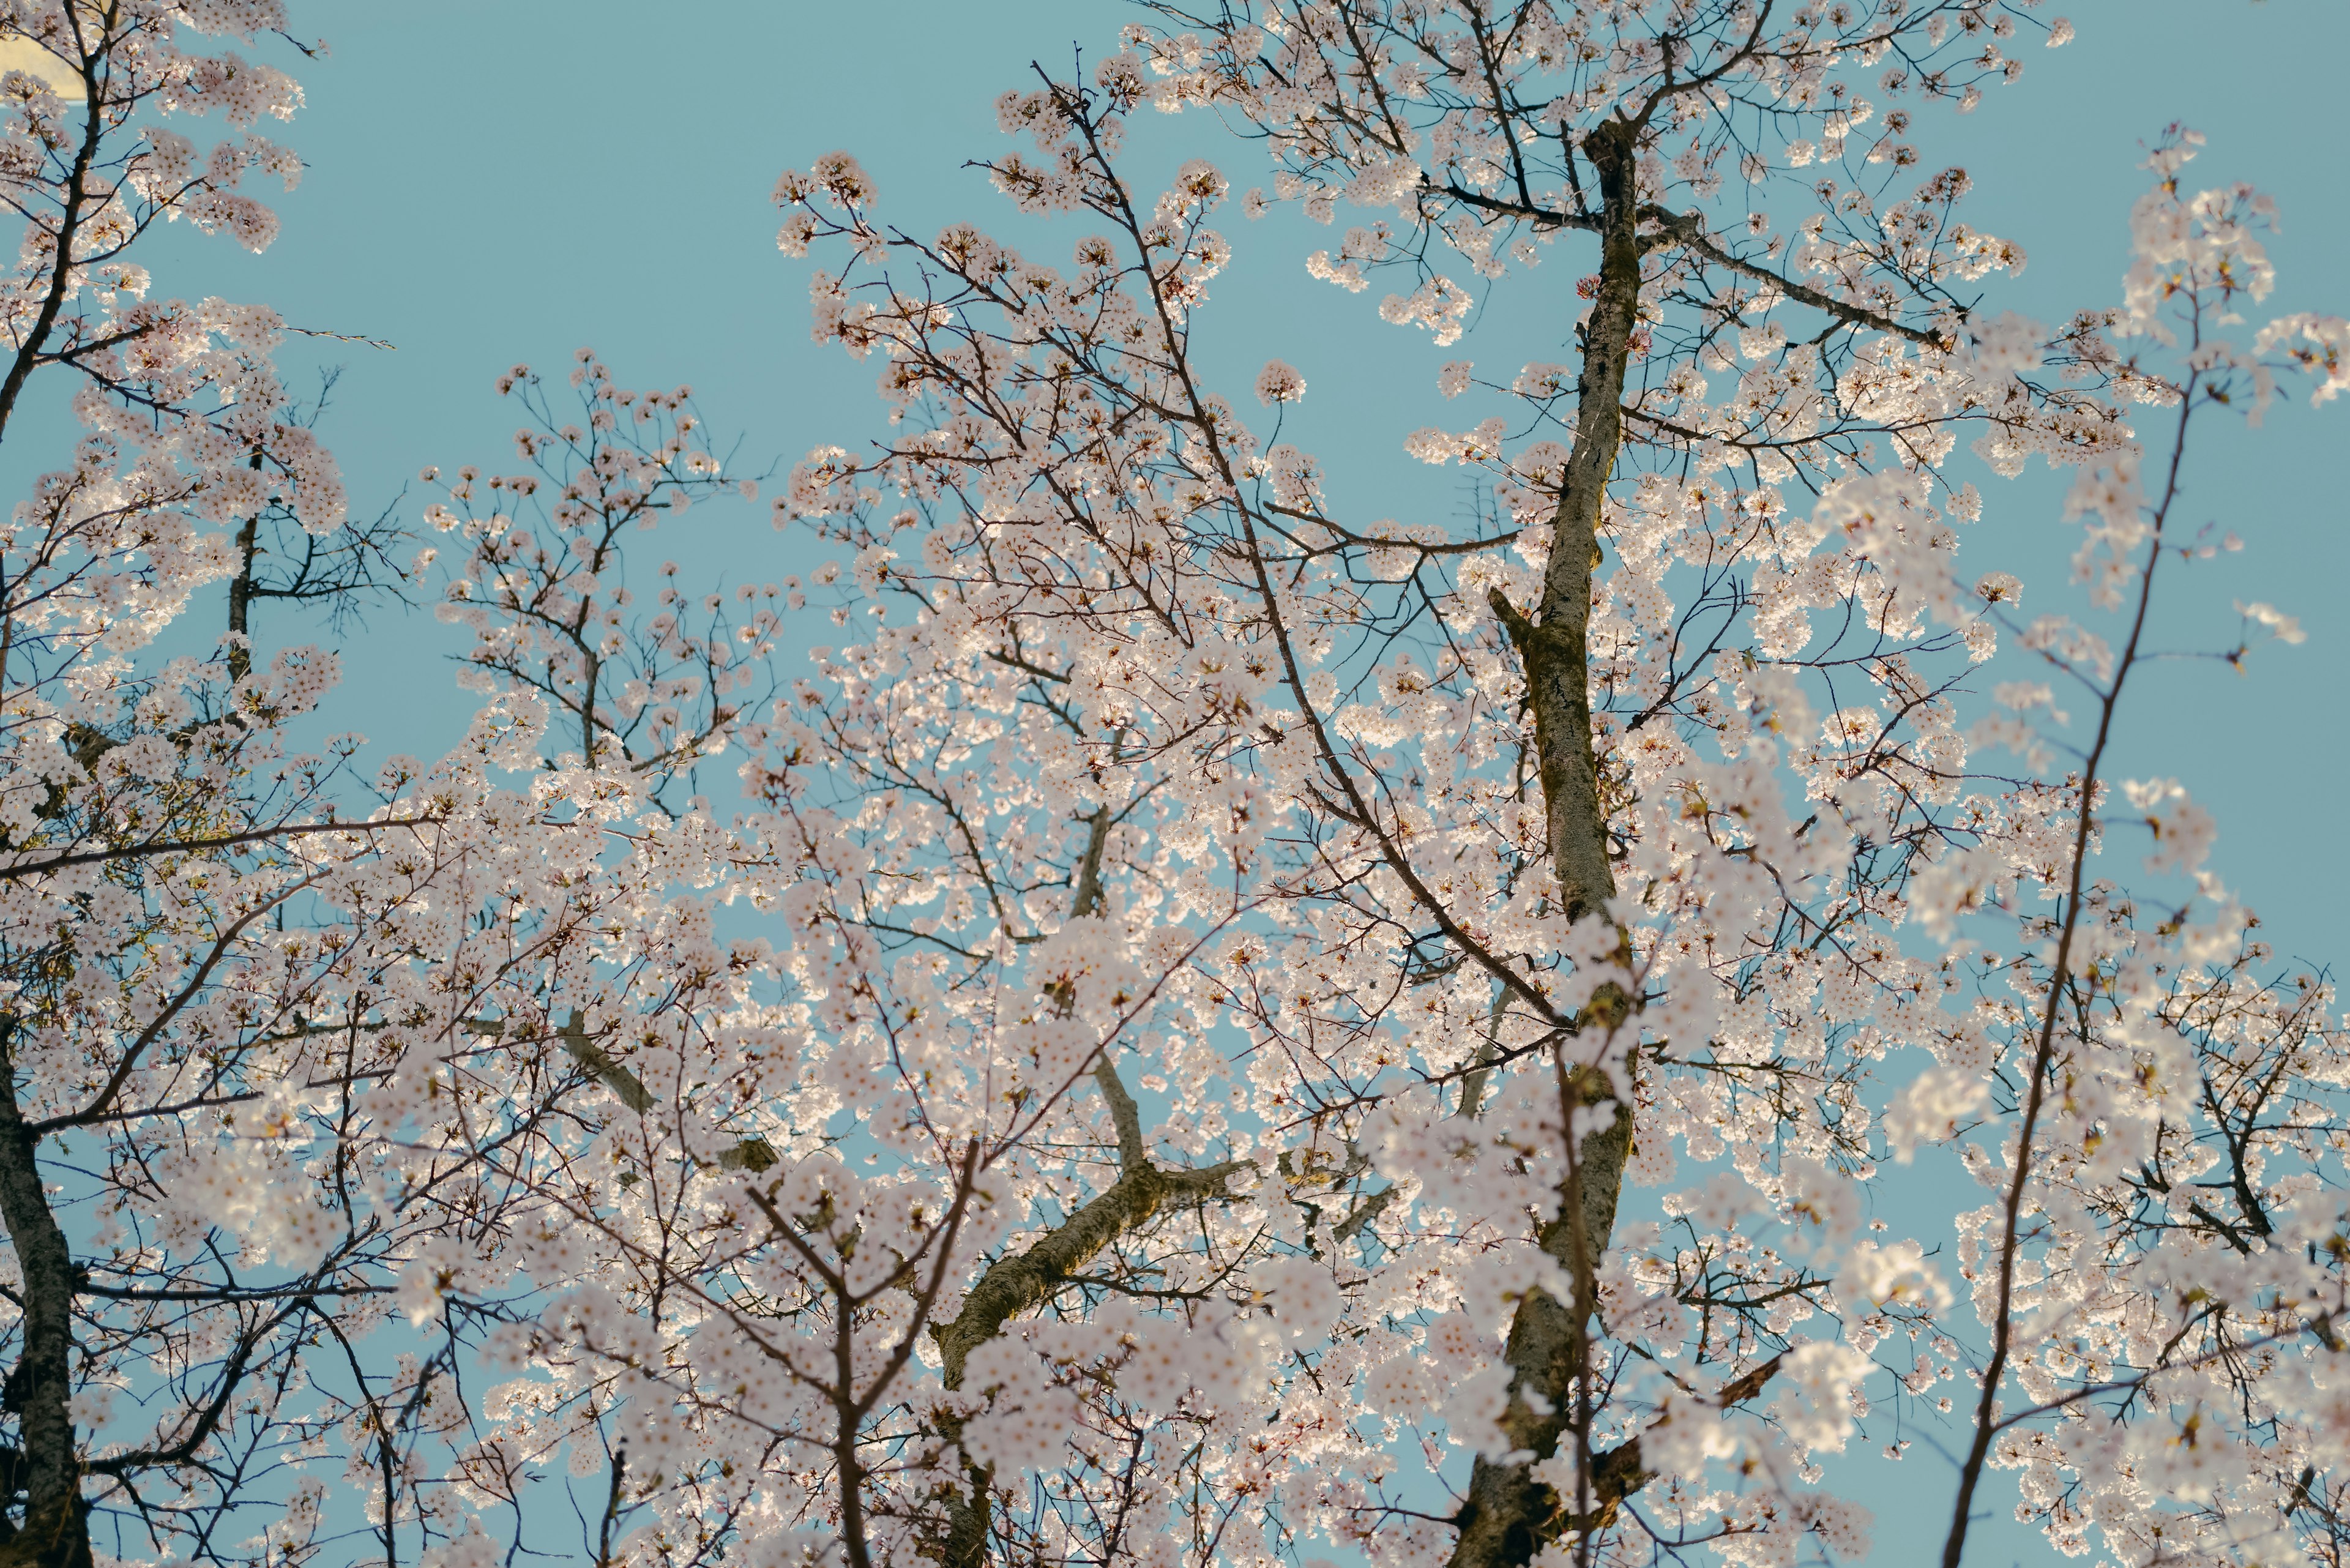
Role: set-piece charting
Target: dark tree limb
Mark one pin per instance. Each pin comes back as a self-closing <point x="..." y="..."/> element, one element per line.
<point x="1509" y="1515"/>
<point x="55" y="1531"/>
<point x="1689" y="230"/>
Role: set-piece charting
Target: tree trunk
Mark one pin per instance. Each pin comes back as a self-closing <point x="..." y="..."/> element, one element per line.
<point x="1508" y="1515"/>
<point x="56" y="1532"/>
<point x="240" y="599"/>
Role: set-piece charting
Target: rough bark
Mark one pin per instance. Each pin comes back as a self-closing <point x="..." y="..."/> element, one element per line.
<point x="752" y="1154"/>
<point x="239" y="591"/>
<point x="1011" y="1285"/>
<point x="240" y="599"/>
<point x="1552" y="644"/>
<point x="1618" y="1472"/>
<point x="55" y="1531"/>
<point x="626" y="1086"/>
<point x="1508" y="1515"/>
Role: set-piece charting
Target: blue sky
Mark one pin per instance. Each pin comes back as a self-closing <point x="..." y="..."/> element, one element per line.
<point x="494" y="181"/>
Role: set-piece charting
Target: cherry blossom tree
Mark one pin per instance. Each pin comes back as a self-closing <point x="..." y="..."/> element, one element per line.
<point x="1324" y="916"/>
<point x="725" y="1097"/>
<point x="1144" y="1062"/>
<point x="263" y="1020"/>
<point x="109" y="550"/>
